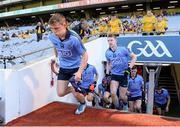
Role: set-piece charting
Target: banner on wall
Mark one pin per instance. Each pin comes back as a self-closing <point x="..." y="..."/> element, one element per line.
<point x="156" y="49"/>
<point x="54" y="7"/>
<point x="86" y="3"/>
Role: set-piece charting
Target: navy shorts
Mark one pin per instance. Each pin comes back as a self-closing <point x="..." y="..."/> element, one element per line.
<point x="84" y="91"/>
<point x="123" y="81"/>
<point x="66" y="74"/>
<point x="108" y="89"/>
<point x="161" y="106"/>
<point x="134" y="98"/>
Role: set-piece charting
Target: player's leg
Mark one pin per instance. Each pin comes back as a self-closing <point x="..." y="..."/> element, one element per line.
<point x="123" y="91"/>
<point x="80" y="96"/>
<point x="138" y="103"/>
<point x="131" y="106"/>
<point x="113" y="88"/>
<point x="63" y="80"/>
<point x="107" y="99"/>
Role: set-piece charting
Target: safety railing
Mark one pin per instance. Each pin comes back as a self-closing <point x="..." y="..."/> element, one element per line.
<point x="93" y="37"/>
<point x="4" y="59"/>
<point x="177" y="83"/>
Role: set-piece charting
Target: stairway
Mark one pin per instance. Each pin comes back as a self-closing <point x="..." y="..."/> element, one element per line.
<point x="166" y="80"/>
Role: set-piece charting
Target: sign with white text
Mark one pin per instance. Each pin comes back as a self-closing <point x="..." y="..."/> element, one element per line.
<point x="158" y="49"/>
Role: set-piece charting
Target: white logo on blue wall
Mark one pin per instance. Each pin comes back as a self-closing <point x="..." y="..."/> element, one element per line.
<point x="154" y="49"/>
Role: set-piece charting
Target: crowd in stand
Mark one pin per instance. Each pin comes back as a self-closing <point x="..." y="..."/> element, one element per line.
<point x="23" y="34"/>
<point x="148" y="24"/>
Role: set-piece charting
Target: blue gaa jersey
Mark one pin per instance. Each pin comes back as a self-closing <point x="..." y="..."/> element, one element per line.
<point x="69" y="50"/>
<point x="135" y="86"/>
<point x="101" y="89"/>
<point x="88" y="76"/>
<point x="161" y="98"/>
<point x="118" y="59"/>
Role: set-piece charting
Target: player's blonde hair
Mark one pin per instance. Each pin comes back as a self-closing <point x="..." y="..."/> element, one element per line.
<point x="57" y="18"/>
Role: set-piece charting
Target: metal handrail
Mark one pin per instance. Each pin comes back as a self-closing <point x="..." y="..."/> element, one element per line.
<point x="158" y="65"/>
<point x="124" y="33"/>
<point x="176" y="82"/>
<point x="30" y="53"/>
<point x="12" y="57"/>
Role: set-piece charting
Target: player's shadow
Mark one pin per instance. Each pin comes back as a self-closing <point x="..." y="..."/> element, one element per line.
<point x="27" y="83"/>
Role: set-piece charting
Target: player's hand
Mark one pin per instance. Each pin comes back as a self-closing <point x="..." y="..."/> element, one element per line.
<point x="54" y="67"/>
<point x="77" y="76"/>
<point x="106" y="75"/>
<point x="127" y="71"/>
<point x="128" y="93"/>
<point x="92" y="87"/>
<point x="167" y="109"/>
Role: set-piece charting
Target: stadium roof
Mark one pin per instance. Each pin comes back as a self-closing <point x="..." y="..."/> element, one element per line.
<point x="8" y="2"/>
<point x="64" y="6"/>
<point x="83" y="4"/>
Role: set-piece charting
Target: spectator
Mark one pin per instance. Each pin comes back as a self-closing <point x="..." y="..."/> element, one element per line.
<point x="94" y="31"/>
<point x="1" y="36"/>
<point x="77" y="27"/>
<point x="5" y="36"/>
<point x="85" y="31"/>
<point x="148" y="23"/>
<point x="125" y="26"/>
<point x="39" y="31"/>
<point x="161" y="25"/>
<point x="115" y="26"/>
<point x="103" y="29"/>
<point x="14" y="35"/>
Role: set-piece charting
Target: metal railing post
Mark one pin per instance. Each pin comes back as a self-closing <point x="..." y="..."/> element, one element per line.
<point x="150" y="100"/>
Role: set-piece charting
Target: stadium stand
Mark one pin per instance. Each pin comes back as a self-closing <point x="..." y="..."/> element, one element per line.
<point x="19" y="46"/>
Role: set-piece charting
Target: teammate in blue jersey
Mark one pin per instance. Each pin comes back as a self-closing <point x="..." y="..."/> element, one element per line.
<point x="85" y="87"/>
<point x="161" y="100"/>
<point x="104" y="92"/>
<point x="135" y="87"/>
<point x="70" y="51"/>
<point x="117" y="63"/>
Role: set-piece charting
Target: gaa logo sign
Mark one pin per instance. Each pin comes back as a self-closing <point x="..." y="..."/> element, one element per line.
<point x="149" y="49"/>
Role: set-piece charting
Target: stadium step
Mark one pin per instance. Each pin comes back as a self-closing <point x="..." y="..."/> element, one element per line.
<point x="166" y="80"/>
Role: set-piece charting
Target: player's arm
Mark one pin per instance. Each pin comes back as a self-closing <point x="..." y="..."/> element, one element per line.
<point x="100" y="91"/>
<point x="83" y="65"/>
<point x="96" y="77"/>
<point x="83" y="62"/>
<point x="55" y="52"/>
<point x="54" y="63"/>
<point x="168" y="102"/>
<point x="133" y="60"/>
<point x="108" y="67"/>
<point x="84" y="56"/>
<point x="142" y="84"/>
